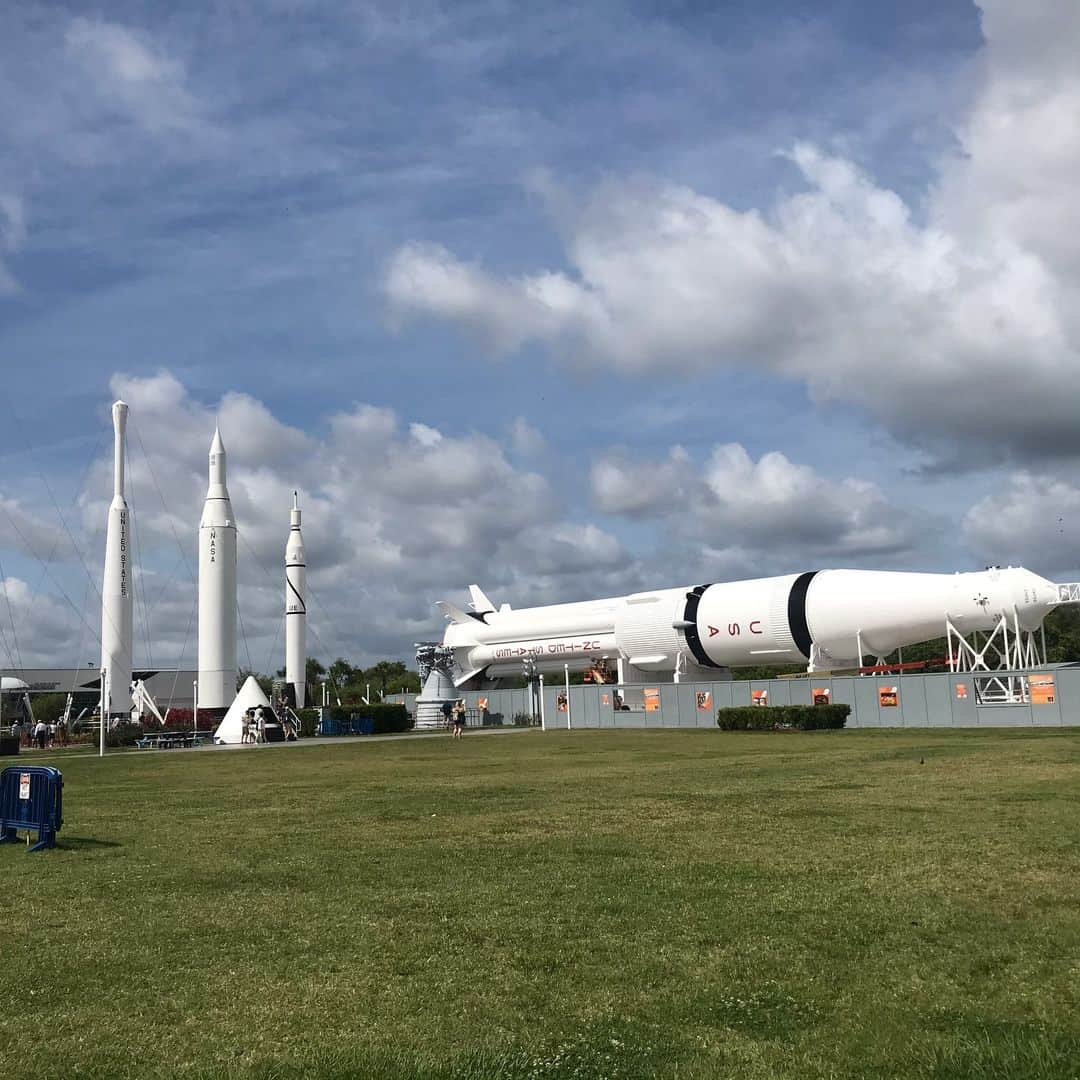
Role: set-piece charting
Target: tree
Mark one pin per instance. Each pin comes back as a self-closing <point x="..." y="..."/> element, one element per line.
<point x="341" y="672"/>
<point x="390" y="675"/>
<point x="264" y="681"/>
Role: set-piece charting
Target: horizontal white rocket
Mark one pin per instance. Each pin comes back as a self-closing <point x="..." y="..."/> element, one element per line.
<point x="824" y="619"/>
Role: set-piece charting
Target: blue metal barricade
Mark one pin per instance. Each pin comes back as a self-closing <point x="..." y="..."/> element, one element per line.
<point x="31" y="798"/>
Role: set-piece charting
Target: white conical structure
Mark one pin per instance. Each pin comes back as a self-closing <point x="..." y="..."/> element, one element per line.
<point x="116" y="585"/>
<point x="217" y="589"/>
<point x="249" y="696"/>
<point x="296" y="608"/>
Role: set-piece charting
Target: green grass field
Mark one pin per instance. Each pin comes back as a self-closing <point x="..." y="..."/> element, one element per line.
<point x="619" y="904"/>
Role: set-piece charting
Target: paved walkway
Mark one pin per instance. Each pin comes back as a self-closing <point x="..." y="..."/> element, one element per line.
<point x="327" y="740"/>
<point x="88" y="750"/>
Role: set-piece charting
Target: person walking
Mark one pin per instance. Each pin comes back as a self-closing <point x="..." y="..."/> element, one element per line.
<point x="447" y="711"/>
<point x="260" y="721"/>
<point x="459" y="719"/>
<point x="16" y="731"/>
<point x="41" y="734"/>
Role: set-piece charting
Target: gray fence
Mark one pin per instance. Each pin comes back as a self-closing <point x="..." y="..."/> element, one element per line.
<point x="1047" y="696"/>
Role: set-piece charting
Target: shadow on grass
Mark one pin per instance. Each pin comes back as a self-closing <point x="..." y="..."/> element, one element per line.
<point x="83" y="843"/>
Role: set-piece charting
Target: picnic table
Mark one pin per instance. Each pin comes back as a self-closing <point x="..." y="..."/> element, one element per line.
<point x="168" y="740"/>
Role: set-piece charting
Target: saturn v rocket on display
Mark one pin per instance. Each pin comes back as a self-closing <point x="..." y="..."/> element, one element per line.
<point x="827" y="620"/>
<point x="116" y="586"/>
<point x="217" y="588"/>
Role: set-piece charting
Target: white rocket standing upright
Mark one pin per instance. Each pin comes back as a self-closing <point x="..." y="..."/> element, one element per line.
<point x="295" y="607"/>
<point x="217" y="589"/>
<point x="116" y="585"/>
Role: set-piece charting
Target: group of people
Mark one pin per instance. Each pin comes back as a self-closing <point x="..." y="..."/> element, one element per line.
<point x="42" y="735"/>
<point x="254" y="725"/>
<point x="454" y="715"/>
<point x="257" y="719"/>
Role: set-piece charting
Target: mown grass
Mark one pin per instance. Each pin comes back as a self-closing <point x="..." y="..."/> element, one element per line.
<point x="623" y="904"/>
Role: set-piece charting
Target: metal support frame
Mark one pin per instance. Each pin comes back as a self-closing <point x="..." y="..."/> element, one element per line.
<point x="1006" y="648"/>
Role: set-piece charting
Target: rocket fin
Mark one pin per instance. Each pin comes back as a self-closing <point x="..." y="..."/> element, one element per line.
<point x="480" y="602"/>
<point x="452" y="612"/>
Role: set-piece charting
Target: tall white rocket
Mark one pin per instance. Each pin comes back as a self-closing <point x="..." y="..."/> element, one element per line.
<point x="217" y="589"/>
<point x="296" y="607"/>
<point x="116" y="584"/>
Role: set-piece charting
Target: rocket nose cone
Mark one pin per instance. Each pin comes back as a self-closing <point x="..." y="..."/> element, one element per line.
<point x="119" y="412"/>
<point x="216" y="445"/>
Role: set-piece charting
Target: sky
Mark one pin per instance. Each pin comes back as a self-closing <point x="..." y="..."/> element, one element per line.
<point x="569" y="302"/>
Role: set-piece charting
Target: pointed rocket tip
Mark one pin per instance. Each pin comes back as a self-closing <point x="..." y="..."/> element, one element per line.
<point x="216" y="445"/>
<point x="296" y="500"/>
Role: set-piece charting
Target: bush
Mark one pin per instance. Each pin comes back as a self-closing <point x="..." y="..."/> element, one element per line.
<point x="388" y="718"/>
<point x="309" y="722"/>
<point x="522" y="719"/>
<point x="780" y="717"/>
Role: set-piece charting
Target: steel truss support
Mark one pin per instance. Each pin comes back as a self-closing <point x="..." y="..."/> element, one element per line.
<point x="1008" y="647"/>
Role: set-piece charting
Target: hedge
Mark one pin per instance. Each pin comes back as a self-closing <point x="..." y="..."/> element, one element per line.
<point x="774" y="717"/>
<point x="388" y="718"/>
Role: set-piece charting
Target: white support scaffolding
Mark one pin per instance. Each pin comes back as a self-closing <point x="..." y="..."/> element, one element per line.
<point x="1006" y="648"/>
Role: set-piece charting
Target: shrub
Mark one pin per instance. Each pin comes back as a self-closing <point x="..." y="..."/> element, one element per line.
<point x="309" y="722"/>
<point x="388" y="718"/>
<point x="522" y="719"/>
<point x="773" y="717"/>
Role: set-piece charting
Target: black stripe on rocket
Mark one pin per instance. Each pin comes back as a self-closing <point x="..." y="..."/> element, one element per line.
<point x="690" y="628"/>
<point x="796" y="612"/>
<point x="299" y="598"/>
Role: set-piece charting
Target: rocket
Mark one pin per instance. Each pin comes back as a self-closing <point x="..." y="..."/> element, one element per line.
<point x="217" y="589"/>
<point x="116" y="584"/>
<point x="823" y="619"/>
<point x="295" y="607"/>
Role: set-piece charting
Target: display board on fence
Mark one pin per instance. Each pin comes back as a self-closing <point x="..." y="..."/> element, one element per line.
<point x="1042" y="689"/>
<point x="704" y="700"/>
<point x="888" y="697"/>
<point x="820" y="695"/>
<point x="652" y="699"/>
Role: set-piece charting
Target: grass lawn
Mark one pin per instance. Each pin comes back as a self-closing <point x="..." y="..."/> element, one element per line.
<point x="618" y="904"/>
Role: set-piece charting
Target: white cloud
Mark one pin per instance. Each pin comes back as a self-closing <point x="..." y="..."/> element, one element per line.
<point x="525" y="439"/>
<point x="130" y="72"/>
<point x="621" y="485"/>
<point x="1032" y="520"/>
<point x="772" y="506"/>
<point x="956" y="325"/>
<point x="396" y="515"/>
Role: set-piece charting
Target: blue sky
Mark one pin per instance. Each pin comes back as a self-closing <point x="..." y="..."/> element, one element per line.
<point x="625" y="295"/>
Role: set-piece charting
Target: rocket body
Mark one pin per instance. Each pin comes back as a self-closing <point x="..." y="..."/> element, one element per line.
<point x="116" y="586"/>
<point x="296" y="608"/>
<point x="217" y="588"/>
<point x="828" y="618"/>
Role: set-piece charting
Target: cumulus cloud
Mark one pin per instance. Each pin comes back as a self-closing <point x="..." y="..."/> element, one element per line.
<point x="1032" y="520"/>
<point x="396" y="515"/>
<point x="954" y="323"/>
<point x="772" y="506"/>
<point x="130" y="72"/>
